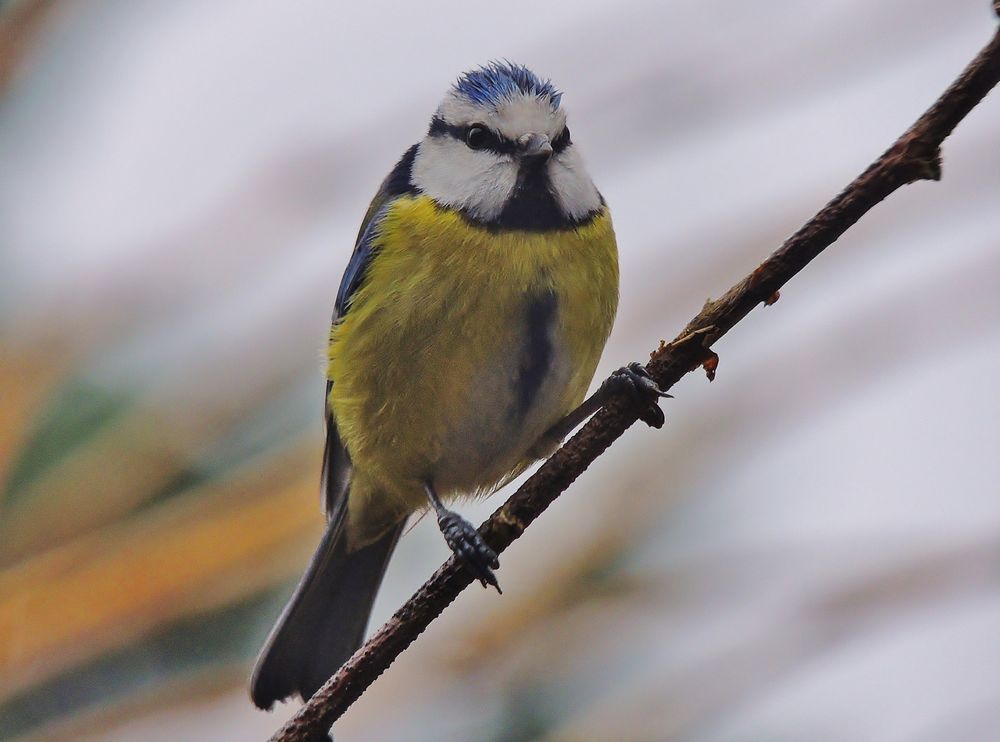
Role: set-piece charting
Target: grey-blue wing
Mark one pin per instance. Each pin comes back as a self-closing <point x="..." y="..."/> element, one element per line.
<point x="325" y="619"/>
<point x="336" y="462"/>
<point x="336" y="465"/>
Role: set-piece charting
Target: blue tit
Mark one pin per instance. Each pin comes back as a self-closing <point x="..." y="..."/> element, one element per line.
<point x="467" y="328"/>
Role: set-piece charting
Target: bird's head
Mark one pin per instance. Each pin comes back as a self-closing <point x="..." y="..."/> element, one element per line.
<point x="498" y="150"/>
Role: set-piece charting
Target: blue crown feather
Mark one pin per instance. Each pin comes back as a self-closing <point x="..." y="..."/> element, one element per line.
<point x="498" y="81"/>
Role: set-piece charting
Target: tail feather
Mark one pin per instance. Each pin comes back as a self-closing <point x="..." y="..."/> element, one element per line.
<point x="325" y="620"/>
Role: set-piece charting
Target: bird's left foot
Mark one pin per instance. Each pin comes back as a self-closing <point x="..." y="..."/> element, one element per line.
<point x="468" y="545"/>
<point x="633" y="379"/>
<point x="465" y="541"/>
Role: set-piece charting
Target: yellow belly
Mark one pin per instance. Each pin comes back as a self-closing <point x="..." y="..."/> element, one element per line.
<point x="425" y="364"/>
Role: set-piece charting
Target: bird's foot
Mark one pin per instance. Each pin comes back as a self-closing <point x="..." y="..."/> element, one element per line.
<point x="468" y="545"/>
<point x="633" y="379"/>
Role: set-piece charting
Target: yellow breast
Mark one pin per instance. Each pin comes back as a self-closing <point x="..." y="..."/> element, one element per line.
<point x="424" y="364"/>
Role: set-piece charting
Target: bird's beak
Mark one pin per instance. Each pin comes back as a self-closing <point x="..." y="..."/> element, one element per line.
<point x="534" y="147"/>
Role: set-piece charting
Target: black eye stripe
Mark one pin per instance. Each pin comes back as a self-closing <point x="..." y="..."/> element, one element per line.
<point x="440" y="128"/>
<point x="562" y="141"/>
<point x="492" y="142"/>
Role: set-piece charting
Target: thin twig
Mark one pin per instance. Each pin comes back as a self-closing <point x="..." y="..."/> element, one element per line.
<point x="914" y="156"/>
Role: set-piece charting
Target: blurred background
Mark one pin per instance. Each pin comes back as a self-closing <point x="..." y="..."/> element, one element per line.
<point x="809" y="550"/>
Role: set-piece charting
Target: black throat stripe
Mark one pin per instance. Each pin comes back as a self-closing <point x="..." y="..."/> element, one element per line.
<point x="533" y="205"/>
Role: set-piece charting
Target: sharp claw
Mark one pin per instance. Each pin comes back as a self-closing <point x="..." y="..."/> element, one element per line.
<point x="645" y="391"/>
<point x="649" y="386"/>
<point x="490" y="579"/>
<point x="470" y="549"/>
<point x="653" y="417"/>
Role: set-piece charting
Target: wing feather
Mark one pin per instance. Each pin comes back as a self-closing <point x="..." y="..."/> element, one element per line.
<point x="336" y="461"/>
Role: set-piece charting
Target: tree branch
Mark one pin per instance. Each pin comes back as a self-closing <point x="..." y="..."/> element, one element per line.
<point x="914" y="156"/>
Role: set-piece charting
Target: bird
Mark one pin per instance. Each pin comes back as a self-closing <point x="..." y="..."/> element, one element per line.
<point x="466" y="331"/>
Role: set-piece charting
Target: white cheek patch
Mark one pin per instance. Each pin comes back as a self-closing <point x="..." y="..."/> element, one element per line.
<point x="574" y="190"/>
<point x="455" y="176"/>
<point x="481" y="182"/>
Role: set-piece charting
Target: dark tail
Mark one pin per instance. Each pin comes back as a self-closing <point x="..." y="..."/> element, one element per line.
<point x="325" y="620"/>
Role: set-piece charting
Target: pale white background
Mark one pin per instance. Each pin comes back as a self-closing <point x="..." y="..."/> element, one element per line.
<point x="814" y="536"/>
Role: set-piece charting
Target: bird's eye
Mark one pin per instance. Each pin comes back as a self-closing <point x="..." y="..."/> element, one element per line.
<point x="560" y="142"/>
<point x="476" y="137"/>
